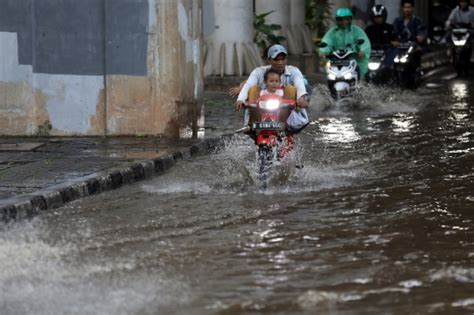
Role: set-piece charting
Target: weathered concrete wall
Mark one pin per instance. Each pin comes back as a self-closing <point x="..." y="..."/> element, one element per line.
<point x="99" y="67"/>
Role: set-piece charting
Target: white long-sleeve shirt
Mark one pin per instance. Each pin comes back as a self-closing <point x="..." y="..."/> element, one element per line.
<point x="291" y="76"/>
<point x="461" y="16"/>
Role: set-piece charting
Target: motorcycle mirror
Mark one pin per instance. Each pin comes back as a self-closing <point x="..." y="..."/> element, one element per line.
<point x="360" y="41"/>
<point x="322" y="45"/>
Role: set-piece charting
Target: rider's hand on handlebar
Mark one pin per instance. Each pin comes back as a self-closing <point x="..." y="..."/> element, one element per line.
<point x="302" y="102"/>
<point x="395" y="43"/>
<point x="239" y="105"/>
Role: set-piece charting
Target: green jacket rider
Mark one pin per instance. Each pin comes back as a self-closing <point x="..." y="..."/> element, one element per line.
<point x="338" y="37"/>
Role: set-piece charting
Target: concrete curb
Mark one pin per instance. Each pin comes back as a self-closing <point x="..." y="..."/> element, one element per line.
<point x="29" y="205"/>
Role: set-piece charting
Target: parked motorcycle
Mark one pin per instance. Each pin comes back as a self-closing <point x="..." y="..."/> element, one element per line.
<point x="407" y="72"/>
<point x="379" y="72"/>
<point x="273" y="140"/>
<point x="342" y="71"/>
<point x="461" y="48"/>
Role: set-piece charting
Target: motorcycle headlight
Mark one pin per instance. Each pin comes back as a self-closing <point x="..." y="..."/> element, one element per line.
<point x="331" y="77"/>
<point x="374" y="66"/>
<point x="347" y="76"/>
<point x="269" y="104"/>
<point x="459" y="42"/>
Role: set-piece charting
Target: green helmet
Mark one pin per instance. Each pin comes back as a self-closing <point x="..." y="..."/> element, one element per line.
<point x="343" y="12"/>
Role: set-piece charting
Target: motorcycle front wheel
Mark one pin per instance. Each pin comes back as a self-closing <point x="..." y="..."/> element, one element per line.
<point x="265" y="161"/>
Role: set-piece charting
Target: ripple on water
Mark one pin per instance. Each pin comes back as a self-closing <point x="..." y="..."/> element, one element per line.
<point x="38" y="277"/>
<point x="459" y="274"/>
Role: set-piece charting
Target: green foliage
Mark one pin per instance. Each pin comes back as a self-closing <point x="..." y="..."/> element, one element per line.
<point x="44" y="129"/>
<point x="318" y="15"/>
<point x="264" y="35"/>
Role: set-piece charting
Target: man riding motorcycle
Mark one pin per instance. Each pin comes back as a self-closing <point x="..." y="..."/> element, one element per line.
<point x="410" y="28"/>
<point x="462" y="14"/>
<point x="345" y="34"/>
<point x="381" y="34"/>
<point x="459" y="28"/>
<point x="291" y="78"/>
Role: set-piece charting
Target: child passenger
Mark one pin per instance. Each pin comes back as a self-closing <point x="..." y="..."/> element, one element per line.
<point x="273" y="85"/>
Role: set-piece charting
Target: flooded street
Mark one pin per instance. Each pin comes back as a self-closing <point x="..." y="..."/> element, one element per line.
<point x="379" y="220"/>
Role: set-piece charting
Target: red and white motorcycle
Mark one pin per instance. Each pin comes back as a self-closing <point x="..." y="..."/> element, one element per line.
<point x="272" y="138"/>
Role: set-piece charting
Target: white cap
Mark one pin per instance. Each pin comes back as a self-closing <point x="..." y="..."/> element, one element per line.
<point x="275" y="50"/>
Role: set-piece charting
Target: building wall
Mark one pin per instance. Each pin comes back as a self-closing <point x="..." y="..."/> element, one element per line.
<point x="99" y="67"/>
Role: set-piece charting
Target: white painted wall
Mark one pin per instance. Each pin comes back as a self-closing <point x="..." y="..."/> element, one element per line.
<point x="71" y="100"/>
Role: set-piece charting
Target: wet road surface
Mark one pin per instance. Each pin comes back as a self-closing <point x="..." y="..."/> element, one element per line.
<point x="379" y="221"/>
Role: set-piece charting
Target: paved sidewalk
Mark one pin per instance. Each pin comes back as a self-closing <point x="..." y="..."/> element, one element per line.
<point x="37" y="174"/>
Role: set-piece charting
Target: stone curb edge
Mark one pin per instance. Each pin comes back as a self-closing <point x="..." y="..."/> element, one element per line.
<point x="54" y="197"/>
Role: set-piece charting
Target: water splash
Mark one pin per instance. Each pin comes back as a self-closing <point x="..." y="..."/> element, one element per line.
<point x="379" y="100"/>
<point x="43" y="277"/>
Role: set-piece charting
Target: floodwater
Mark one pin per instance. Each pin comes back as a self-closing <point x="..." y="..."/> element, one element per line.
<point x="378" y="221"/>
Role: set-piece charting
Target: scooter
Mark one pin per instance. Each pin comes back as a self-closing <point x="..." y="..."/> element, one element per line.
<point x="407" y="73"/>
<point x="272" y="139"/>
<point x="461" y="49"/>
<point x="378" y="73"/>
<point x="342" y="71"/>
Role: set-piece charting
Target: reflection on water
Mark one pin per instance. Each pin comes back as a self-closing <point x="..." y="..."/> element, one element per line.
<point x="403" y="123"/>
<point x="379" y="220"/>
<point x="459" y="91"/>
<point x="338" y="130"/>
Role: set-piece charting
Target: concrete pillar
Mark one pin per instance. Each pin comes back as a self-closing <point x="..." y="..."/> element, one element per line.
<point x="175" y="66"/>
<point x="281" y="10"/>
<point x="290" y="15"/>
<point x="229" y="42"/>
<point x="298" y="12"/>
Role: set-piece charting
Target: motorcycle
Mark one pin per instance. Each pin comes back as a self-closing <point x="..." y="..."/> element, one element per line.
<point x="342" y="71"/>
<point x="461" y="49"/>
<point x="407" y="72"/>
<point x="378" y="73"/>
<point x="273" y="140"/>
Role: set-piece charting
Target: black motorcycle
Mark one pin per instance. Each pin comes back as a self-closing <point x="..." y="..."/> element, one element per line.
<point x="407" y="70"/>
<point x="379" y="72"/>
<point x="461" y="48"/>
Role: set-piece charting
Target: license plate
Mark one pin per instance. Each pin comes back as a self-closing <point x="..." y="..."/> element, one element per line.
<point x="267" y="125"/>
